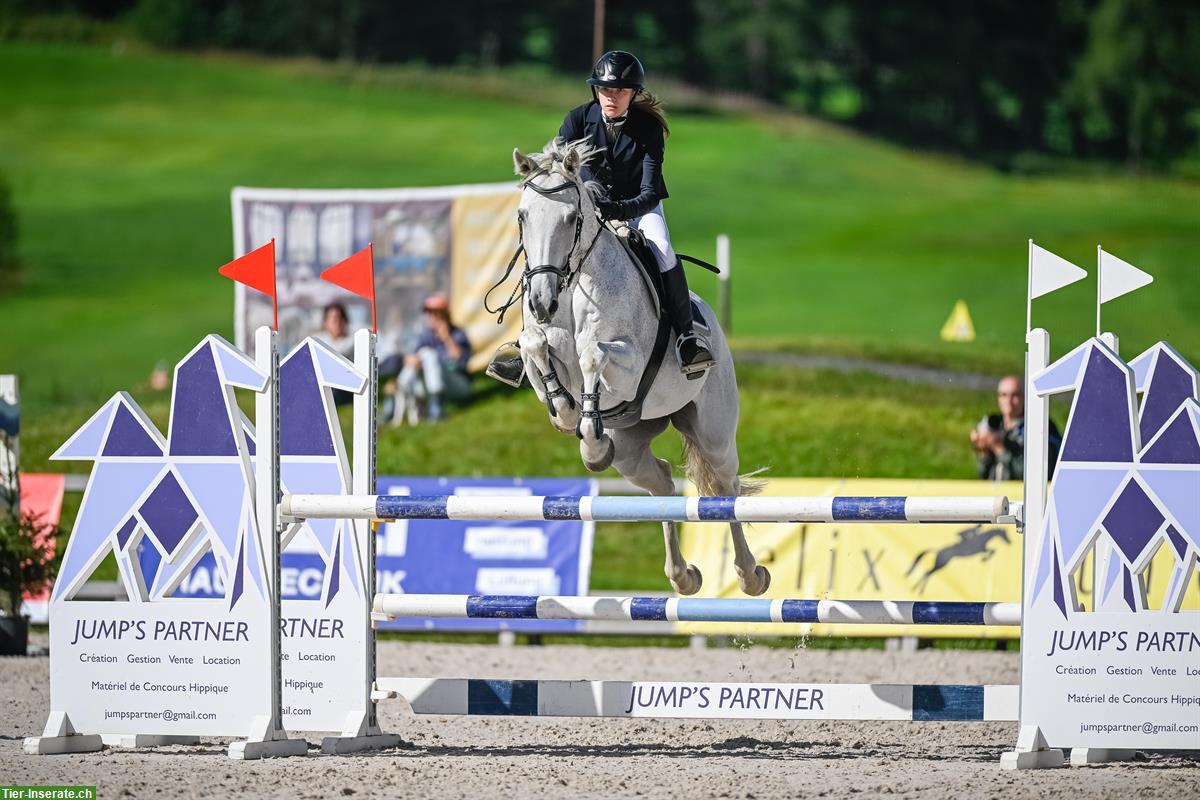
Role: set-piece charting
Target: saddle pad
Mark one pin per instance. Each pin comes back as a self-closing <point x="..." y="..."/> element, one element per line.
<point x="635" y="245"/>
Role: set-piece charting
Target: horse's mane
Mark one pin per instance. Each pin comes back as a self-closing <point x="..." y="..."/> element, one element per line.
<point x="558" y="151"/>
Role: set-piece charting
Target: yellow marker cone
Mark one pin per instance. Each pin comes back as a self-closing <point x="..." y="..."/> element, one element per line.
<point x="958" y="327"/>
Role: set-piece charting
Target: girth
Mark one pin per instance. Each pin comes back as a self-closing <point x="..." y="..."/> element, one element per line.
<point x="629" y="413"/>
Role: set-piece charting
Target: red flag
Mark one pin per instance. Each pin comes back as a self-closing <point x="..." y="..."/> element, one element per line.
<point x="256" y="269"/>
<point x="357" y="275"/>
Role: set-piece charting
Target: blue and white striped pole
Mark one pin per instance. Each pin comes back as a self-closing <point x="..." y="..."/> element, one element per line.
<point x="695" y="609"/>
<point x="973" y="510"/>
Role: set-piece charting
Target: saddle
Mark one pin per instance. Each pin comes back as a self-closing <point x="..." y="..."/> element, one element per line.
<point x="635" y="244"/>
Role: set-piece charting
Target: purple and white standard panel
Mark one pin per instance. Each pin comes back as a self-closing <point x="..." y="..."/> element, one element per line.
<point x="687" y="700"/>
<point x="695" y="609"/>
<point x="652" y="509"/>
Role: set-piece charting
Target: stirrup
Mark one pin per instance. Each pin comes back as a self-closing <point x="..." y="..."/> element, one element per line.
<point x="507" y="366"/>
<point x="693" y="370"/>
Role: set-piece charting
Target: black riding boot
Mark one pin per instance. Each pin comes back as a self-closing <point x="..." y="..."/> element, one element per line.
<point x="694" y="355"/>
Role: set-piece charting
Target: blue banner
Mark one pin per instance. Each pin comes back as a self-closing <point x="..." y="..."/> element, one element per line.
<point x="455" y="557"/>
<point x="445" y="556"/>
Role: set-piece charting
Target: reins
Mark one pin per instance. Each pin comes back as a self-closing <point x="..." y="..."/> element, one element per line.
<point x="566" y="273"/>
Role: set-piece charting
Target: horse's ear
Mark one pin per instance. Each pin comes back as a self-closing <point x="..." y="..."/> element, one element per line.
<point x="572" y="161"/>
<point x="522" y="164"/>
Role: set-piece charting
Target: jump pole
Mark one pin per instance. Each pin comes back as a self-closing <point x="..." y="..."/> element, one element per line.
<point x="687" y="609"/>
<point x="981" y="510"/>
<point x="702" y="700"/>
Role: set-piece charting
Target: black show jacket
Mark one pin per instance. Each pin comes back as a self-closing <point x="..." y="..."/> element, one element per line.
<point x="632" y="169"/>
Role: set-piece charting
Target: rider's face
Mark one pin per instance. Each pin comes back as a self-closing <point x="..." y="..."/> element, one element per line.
<point x="614" y="102"/>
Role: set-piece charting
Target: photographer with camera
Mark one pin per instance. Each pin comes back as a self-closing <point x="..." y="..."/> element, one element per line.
<point x="999" y="439"/>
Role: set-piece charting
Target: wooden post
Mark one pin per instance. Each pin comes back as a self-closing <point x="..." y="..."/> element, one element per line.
<point x="598" y="31"/>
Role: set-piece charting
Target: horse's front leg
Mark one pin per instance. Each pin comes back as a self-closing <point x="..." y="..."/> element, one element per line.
<point x="546" y="382"/>
<point x="595" y="446"/>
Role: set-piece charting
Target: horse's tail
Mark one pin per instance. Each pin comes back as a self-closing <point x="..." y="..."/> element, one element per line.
<point x="706" y="480"/>
<point x="748" y="484"/>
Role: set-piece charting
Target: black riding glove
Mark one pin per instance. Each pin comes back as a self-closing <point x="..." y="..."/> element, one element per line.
<point x="609" y="209"/>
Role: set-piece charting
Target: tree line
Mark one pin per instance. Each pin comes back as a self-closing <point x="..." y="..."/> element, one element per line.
<point x="1013" y="83"/>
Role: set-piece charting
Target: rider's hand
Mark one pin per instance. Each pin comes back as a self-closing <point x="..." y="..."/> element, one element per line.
<point x="609" y="209"/>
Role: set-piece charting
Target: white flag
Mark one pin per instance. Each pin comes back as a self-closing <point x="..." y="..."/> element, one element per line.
<point x="1048" y="272"/>
<point x="1118" y="277"/>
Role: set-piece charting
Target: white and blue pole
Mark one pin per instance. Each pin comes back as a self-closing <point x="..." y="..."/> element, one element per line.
<point x="973" y="510"/>
<point x="696" y="609"/>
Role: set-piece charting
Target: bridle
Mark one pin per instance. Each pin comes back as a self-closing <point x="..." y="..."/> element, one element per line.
<point x="566" y="272"/>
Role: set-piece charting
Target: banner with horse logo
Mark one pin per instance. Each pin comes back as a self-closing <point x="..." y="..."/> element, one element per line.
<point x="950" y="562"/>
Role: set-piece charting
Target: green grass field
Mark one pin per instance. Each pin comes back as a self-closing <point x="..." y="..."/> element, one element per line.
<point x="121" y="167"/>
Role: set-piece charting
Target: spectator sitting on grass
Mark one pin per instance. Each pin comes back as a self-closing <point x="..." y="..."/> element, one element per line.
<point x="437" y="372"/>
<point x="999" y="439"/>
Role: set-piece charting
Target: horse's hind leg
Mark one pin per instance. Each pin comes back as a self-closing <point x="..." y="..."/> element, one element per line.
<point x="637" y="462"/>
<point x="713" y="467"/>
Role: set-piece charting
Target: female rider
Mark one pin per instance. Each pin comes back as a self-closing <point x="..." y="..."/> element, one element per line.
<point x="626" y="126"/>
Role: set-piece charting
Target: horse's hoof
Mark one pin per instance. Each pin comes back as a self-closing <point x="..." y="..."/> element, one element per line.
<point x="762" y="582"/>
<point x="691" y="583"/>
<point x="605" y="461"/>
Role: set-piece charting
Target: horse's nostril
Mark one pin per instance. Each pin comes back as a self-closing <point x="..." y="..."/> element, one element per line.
<point x="553" y="308"/>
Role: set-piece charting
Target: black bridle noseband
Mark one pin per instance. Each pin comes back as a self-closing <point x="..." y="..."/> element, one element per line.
<point x="566" y="273"/>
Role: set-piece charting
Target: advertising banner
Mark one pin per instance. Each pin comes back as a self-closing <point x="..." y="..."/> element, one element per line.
<point x="951" y="562"/>
<point x="455" y="557"/>
<point x="453" y="240"/>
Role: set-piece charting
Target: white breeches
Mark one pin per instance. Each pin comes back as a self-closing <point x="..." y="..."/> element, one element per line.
<point x="653" y="226"/>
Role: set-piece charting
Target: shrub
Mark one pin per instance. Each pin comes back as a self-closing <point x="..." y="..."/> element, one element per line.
<point x="23" y="566"/>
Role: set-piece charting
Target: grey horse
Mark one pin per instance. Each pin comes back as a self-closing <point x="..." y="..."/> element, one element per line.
<point x="589" y="329"/>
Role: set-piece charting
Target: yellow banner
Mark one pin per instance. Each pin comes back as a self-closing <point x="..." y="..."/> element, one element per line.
<point x="485" y="236"/>
<point x="885" y="561"/>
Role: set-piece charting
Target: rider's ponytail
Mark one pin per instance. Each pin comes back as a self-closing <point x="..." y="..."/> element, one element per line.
<point x="647" y="102"/>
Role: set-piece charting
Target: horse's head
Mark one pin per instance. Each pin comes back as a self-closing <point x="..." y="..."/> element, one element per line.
<point x="556" y="208"/>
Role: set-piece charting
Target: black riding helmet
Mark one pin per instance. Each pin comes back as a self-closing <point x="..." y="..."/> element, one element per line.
<point x="619" y="70"/>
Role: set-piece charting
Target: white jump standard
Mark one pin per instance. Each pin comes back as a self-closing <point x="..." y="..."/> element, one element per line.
<point x="685" y="609"/>
<point x="980" y="510"/>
